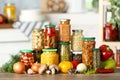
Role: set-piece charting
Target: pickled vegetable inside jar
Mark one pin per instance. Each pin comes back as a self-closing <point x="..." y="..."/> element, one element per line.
<point x="37" y="55"/>
<point x="49" y="36"/>
<point x="37" y="39"/>
<point x="64" y="51"/>
<point x="96" y="58"/>
<point x="76" y="41"/>
<point x="88" y="44"/>
<point x="77" y="56"/>
<point x="65" y="28"/>
<point x="49" y="56"/>
<point x="27" y="57"/>
<point x="10" y="12"/>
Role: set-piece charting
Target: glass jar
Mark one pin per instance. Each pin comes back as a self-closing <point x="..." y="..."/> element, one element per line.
<point x="10" y="12"/>
<point x="87" y="51"/>
<point x="118" y="56"/>
<point x="49" y="56"/>
<point x="27" y="57"/>
<point x="37" y="39"/>
<point x="37" y="55"/>
<point x="64" y="51"/>
<point x="65" y="29"/>
<point x="96" y="58"/>
<point x="49" y="36"/>
<point x="110" y="33"/>
<point x="76" y="41"/>
<point x="77" y="56"/>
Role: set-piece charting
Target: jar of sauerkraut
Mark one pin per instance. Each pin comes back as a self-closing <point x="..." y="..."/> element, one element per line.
<point x="49" y="56"/>
<point x="76" y="40"/>
<point x="88" y="44"/>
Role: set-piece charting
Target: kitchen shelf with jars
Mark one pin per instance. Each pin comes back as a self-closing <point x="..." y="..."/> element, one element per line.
<point x="109" y="22"/>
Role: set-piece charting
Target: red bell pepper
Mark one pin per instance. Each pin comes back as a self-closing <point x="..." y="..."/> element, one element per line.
<point x="106" y="52"/>
<point x="111" y="70"/>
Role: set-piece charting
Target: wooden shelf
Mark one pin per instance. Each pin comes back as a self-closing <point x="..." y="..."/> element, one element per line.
<point x="5" y="26"/>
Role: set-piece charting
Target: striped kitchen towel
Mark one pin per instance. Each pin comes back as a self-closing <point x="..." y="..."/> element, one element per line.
<point x="27" y="27"/>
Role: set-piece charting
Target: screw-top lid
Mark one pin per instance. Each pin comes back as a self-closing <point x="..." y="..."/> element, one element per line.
<point x="88" y="38"/>
<point x="96" y="49"/>
<point x="50" y="25"/>
<point x="49" y="49"/>
<point x="64" y="43"/>
<point x="26" y="51"/>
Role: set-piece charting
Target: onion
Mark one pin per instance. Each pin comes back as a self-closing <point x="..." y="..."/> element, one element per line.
<point x="19" y="67"/>
<point x="35" y="67"/>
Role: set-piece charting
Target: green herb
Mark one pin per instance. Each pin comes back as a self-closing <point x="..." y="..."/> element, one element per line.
<point x="92" y="71"/>
<point x="8" y="66"/>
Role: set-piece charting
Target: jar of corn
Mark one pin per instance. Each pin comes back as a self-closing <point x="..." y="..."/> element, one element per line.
<point x="49" y="56"/>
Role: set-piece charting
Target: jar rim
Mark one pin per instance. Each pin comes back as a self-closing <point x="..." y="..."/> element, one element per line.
<point x="26" y="50"/>
<point x="96" y="48"/>
<point x="49" y="49"/>
<point x="50" y="25"/>
<point x="64" y="43"/>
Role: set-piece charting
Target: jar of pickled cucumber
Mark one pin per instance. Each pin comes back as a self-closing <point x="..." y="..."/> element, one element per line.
<point x="64" y="51"/>
<point x="27" y="57"/>
<point x="10" y="12"/>
<point x="76" y="40"/>
<point x="88" y="44"/>
<point x="49" y="56"/>
<point x="37" y="39"/>
<point x="96" y="58"/>
<point x="50" y="36"/>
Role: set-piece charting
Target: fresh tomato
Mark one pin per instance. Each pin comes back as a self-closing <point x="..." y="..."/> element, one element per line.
<point x="106" y="52"/>
<point x="75" y="63"/>
<point x="2" y="19"/>
<point x="111" y="70"/>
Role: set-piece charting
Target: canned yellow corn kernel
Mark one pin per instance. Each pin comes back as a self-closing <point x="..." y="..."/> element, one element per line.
<point x="49" y="56"/>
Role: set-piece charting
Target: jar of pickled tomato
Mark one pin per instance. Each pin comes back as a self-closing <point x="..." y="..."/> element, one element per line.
<point x="27" y="57"/>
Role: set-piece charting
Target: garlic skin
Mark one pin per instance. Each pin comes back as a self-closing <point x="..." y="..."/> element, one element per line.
<point x="42" y="68"/>
<point x="30" y="71"/>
